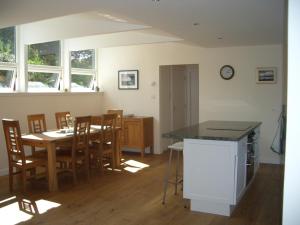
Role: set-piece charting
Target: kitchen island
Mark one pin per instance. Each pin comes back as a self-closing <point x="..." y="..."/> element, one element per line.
<point x="220" y="160"/>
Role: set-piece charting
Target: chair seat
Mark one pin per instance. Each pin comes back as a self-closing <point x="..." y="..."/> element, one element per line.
<point x="178" y="146"/>
<point x="31" y="161"/>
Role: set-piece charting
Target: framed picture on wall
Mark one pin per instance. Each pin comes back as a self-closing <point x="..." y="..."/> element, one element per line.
<point x="128" y="79"/>
<point x="266" y="75"/>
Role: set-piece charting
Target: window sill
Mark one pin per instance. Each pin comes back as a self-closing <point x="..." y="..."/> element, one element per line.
<point x="20" y="94"/>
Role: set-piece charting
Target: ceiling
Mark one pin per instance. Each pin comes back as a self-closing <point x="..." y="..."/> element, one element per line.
<point x="207" y="23"/>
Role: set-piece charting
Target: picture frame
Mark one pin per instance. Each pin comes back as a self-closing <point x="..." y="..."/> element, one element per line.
<point x="128" y="79"/>
<point x="266" y="75"/>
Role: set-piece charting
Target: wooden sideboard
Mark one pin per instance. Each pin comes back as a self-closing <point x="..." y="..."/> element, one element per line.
<point x="138" y="133"/>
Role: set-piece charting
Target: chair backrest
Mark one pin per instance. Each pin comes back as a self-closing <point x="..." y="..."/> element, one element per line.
<point x="36" y="123"/>
<point x="61" y="119"/>
<point x="119" y="119"/>
<point x="108" y="124"/>
<point x="109" y="121"/>
<point x="96" y="120"/>
<point x="81" y="134"/>
<point x="14" y="145"/>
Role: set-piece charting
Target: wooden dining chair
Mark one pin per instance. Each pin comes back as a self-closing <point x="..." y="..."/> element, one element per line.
<point x="119" y="119"/>
<point x="61" y="119"/>
<point x="79" y="154"/>
<point x="104" y="147"/>
<point x="18" y="162"/>
<point x="37" y="125"/>
<point x="120" y="125"/>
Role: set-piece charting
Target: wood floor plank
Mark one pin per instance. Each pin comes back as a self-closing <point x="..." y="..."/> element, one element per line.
<point x="124" y="198"/>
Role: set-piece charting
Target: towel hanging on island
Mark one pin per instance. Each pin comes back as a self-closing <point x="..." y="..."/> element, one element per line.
<point x="278" y="143"/>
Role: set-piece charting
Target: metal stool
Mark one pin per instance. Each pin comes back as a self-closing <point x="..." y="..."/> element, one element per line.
<point x="178" y="146"/>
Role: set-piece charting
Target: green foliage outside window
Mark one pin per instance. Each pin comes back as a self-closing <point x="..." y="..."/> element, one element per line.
<point x="47" y="53"/>
<point x="7" y="44"/>
<point x="42" y="80"/>
<point x="82" y="80"/>
<point x="5" y="78"/>
<point x="83" y="59"/>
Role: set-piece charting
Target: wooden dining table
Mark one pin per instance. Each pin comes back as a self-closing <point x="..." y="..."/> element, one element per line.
<point x="52" y="139"/>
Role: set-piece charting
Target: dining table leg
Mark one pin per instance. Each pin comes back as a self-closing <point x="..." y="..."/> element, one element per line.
<point x="117" y="150"/>
<point x="52" y="176"/>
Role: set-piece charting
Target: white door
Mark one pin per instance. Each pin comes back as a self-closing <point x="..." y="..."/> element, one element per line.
<point x="178" y="90"/>
<point x="192" y="94"/>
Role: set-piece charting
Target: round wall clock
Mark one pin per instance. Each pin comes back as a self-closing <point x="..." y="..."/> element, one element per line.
<point x="226" y="72"/>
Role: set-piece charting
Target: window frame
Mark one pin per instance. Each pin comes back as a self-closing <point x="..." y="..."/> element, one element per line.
<point x="12" y="66"/>
<point x="44" y="69"/>
<point x="80" y="71"/>
<point x="9" y="67"/>
<point x="33" y="68"/>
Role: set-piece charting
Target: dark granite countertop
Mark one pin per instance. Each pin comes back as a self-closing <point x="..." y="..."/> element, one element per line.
<point x="215" y="130"/>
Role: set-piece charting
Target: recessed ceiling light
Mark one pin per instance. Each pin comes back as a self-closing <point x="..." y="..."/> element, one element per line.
<point x="155" y="0"/>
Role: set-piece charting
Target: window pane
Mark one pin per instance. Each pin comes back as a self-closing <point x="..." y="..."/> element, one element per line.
<point x="6" y="78"/>
<point x="40" y="81"/>
<point x="47" y="53"/>
<point x="83" y="59"/>
<point x="7" y="45"/>
<point x="79" y="81"/>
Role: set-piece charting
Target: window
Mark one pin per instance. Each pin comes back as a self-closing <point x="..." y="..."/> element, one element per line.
<point x="44" y="70"/>
<point x="7" y="79"/>
<point x="8" y="65"/>
<point x="83" y="72"/>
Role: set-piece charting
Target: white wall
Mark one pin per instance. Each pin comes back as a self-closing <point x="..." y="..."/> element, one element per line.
<point x="18" y="106"/>
<point x="237" y="99"/>
<point x="291" y="198"/>
<point x="241" y="98"/>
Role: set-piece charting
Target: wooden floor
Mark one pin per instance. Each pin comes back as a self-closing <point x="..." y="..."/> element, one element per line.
<point x="123" y="198"/>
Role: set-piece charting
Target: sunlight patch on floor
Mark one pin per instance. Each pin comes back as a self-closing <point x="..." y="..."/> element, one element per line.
<point x="133" y="166"/>
<point x="23" y="209"/>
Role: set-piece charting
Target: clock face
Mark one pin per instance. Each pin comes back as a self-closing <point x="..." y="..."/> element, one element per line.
<point x="227" y="72"/>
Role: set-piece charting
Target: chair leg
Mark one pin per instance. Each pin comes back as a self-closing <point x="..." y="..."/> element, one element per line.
<point x="74" y="172"/>
<point x="11" y="178"/>
<point x="23" y="174"/>
<point x="87" y="165"/>
<point x="166" y="181"/>
<point x="33" y="172"/>
<point x="113" y="161"/>
<point x="101" y="162"/>
<point x="177" y="170"/>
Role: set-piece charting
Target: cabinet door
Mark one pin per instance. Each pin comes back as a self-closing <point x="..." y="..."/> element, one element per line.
<point x="241" y="168"/>
<point x="132" y="133"/>
<point x="209" y="170"/>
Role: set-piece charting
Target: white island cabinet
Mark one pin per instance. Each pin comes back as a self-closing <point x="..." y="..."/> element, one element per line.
<point x="215" y="172"/>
